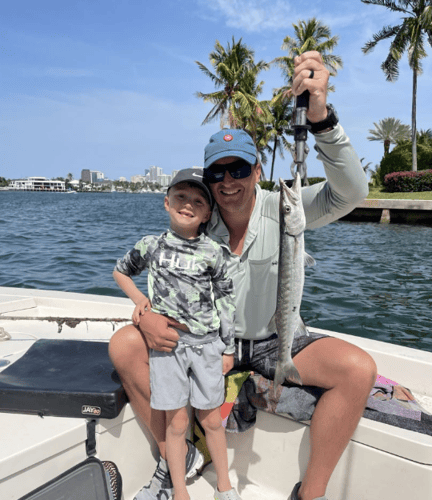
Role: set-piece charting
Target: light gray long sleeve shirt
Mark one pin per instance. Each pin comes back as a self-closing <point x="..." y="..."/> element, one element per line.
<point x="255" y="271"/>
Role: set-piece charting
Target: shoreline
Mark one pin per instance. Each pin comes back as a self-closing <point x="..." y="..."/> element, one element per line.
<point x="392" y="211"/>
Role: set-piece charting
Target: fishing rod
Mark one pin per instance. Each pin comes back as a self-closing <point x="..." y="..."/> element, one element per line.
<point x="300" y="150"/>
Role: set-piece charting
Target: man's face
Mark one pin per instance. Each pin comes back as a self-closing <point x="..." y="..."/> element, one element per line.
<point x="234" y="195"/>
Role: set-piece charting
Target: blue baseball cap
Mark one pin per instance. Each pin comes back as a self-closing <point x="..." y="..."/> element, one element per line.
<point x="230" y="142"/>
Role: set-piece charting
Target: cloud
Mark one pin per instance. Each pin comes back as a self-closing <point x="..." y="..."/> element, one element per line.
<point x="254" y="15"/>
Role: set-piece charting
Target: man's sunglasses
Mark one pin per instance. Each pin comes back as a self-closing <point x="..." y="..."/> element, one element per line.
<point x="239" y="169"/>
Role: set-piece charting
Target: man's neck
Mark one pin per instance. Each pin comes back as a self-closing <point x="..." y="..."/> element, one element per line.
<point x="237" y="224"/>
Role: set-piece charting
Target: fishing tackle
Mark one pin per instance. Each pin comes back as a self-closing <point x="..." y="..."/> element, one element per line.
<point x="300" y="150"/>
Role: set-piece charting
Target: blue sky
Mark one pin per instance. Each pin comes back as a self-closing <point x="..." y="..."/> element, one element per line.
<point x="109" y="85"/>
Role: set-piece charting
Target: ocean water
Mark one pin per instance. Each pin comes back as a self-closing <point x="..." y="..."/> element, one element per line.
<point x="371" y="280"/>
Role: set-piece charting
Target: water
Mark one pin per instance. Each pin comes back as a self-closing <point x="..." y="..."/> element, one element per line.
<point x="371" y="280"/>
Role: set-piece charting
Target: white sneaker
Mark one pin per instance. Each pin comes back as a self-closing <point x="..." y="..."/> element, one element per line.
<point x="227" y="495"/>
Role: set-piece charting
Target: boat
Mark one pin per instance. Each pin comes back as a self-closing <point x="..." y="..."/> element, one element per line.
<point x="381" y="461"/>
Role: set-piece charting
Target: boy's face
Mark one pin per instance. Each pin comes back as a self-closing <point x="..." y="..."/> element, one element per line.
<point x="188" y="207"/>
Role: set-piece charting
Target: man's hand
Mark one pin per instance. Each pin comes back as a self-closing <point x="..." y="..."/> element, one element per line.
<point x="227" y="363"/>
<point x="159" y="331"/>
<point x="317" y="85"/>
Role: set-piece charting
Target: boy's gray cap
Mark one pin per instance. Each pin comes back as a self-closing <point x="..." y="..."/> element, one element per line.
<point x="194" y="176"/>
<point x="230" y="142"/>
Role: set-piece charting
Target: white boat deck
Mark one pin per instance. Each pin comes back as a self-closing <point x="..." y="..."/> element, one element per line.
<point x="381" y="462"/>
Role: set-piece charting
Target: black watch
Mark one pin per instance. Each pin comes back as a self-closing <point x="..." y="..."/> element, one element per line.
<point x="330" y="122"/>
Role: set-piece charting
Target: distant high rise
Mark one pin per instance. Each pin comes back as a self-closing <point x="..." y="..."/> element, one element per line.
<point x="155" y="172"/>
<point x="92" y="176"/>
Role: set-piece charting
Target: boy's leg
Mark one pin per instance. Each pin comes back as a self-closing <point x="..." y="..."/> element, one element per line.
<point x="177" y="425"/>
<point x="211" y="421"/>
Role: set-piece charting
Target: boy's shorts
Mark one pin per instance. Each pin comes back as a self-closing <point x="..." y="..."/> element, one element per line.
<point x="189" y="373"/>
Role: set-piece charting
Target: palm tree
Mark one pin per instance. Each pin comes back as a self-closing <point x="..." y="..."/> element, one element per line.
<point x="408" y="36"/>
<point x="389" y="131"/>
<point x="309" y="35"/>
<point x="279" y="128"/>
<point x="235" y="74"/>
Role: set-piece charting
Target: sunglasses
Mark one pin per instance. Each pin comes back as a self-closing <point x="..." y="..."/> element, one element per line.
<point x="239" y="169"/>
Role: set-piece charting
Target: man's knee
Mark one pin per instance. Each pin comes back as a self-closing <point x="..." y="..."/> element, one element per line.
<point x="126" y="345"/>
<point x="361" y="369"/>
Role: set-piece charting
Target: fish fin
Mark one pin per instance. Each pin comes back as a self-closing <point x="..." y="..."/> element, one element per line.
<point x="308" y="260"/>
<point x="302" y="328"/>
<point x="289" y="372"/>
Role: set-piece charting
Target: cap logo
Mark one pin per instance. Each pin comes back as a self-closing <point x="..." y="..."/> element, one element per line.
<point x="228" y="137"/>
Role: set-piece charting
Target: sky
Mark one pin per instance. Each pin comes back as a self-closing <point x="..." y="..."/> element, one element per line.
<point x="110" y="85"/>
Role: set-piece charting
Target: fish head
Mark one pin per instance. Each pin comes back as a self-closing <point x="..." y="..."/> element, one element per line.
<point x="291" y="212"/>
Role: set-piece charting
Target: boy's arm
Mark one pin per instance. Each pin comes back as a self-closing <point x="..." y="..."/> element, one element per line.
<point x="128" y="286"/>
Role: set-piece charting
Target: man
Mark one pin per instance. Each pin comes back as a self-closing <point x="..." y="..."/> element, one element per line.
<point x="245" y="223"/>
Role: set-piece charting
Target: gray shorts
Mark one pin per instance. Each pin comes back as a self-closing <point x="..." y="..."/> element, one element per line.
<point x="189" y="373"/>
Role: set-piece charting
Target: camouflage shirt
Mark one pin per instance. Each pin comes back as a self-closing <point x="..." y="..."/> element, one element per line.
<point x="187" y="281"/>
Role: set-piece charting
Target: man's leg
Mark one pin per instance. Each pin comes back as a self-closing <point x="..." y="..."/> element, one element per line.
<point x="129" y="354"/>
<point x="348" y="373"/>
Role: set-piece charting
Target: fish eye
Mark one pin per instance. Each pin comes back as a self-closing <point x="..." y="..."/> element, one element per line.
<point x="287" y="209"/>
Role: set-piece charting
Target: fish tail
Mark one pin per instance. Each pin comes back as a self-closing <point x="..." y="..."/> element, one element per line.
<point x="289" y="372"/>
<point x="292" y="374"/>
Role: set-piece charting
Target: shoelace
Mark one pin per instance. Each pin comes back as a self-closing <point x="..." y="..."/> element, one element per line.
<point x="163" y="476"/>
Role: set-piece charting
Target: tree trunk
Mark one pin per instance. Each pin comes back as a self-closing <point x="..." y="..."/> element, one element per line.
<point x="413" y="119"/>
<point x="273" y="159"/>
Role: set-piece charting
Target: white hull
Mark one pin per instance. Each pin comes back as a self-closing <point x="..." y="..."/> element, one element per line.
<point x="381" y="462"/>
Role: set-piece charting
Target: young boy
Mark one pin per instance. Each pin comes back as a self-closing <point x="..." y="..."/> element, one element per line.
<point x="187" y="282"/>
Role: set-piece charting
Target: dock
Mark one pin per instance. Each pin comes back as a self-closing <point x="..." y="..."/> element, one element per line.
<point x="392" y="211"/>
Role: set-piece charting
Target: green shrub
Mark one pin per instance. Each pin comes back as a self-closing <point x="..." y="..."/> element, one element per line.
<point x="406" y="182"/>
<point x="315" y="180"/>
<point x="268" y="185"/>
<point x="400" y="159"/>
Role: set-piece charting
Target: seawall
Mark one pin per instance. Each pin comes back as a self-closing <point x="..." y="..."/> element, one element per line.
<point x="393" y="211"/>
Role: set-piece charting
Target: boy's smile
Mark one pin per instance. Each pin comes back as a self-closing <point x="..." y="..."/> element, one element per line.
<point x="188" y="208"/>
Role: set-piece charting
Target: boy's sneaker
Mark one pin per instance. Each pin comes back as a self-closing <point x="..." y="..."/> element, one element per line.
<point x="160" y="487"/>
<point x="194" y="460"/>
<point x="226" y="495"/>
<point x="294" y="494"/>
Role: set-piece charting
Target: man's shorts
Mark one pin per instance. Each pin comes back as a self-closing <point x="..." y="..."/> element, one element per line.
<point x="189" y="373"/>
<point x="261" y="356"/>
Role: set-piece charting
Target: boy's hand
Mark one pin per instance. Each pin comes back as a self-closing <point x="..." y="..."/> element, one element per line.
<point x="158" y="331"/>
<point x="227" y="363"/>
<point x="140" y="309"/>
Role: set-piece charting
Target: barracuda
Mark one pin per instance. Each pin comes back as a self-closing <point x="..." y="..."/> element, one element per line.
<point x="292" y="260"/>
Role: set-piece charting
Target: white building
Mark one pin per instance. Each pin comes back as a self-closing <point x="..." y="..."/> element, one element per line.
<point x="155" y="172"/>
<point x="37" y="184"/>
<point x="164" y="180"/>
<point x="139" y="178"/>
